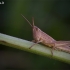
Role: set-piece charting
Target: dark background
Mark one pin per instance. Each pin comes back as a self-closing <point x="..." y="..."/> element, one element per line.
<point x="51" y="16"/>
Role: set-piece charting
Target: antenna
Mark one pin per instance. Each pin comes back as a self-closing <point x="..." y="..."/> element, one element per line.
<point x="27" y="20"/>
<point x="33" y="21"/>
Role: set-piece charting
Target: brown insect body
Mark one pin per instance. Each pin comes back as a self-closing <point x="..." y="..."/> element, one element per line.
<point x="41" y="37"/>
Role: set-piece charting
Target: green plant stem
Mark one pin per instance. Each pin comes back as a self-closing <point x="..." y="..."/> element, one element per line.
<point x="37" y="49"/>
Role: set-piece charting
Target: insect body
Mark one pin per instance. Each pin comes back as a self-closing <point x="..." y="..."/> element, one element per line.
<point x="41" y="37"/>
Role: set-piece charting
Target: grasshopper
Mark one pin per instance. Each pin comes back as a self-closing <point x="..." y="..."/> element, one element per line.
<point x="41" y="37"/>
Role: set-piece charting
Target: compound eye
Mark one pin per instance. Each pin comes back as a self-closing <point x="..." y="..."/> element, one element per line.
<point x="36" y="28"/>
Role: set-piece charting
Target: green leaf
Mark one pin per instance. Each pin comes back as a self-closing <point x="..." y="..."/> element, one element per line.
<point x="37" y="49"/>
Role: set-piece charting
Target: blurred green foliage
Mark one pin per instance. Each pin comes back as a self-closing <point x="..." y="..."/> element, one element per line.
<point x="53" y="17"/>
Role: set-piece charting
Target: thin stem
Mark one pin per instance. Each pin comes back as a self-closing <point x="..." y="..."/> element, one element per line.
<point x="37" y="49"/>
